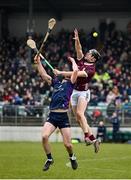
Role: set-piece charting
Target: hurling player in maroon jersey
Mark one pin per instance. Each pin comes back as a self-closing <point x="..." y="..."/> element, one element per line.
<point x="81" y="93"/>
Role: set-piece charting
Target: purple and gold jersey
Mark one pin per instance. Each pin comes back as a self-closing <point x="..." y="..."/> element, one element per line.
<point x="82" y="82"/>
<point x="61" y="94"/>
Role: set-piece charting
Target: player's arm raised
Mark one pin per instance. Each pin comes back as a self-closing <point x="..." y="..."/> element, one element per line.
<point x="78" y="46"/>
<point x="42" y="71"/>
<point x="69" y="73"/>
<point x="75" y="70"/>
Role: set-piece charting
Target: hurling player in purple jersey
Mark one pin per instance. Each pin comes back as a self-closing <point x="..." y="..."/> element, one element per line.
<point x="81" y="93"/>
<point x="58" y="117"/>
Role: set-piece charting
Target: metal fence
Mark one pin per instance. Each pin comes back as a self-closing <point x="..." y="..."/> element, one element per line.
<point x="36" y="115"/>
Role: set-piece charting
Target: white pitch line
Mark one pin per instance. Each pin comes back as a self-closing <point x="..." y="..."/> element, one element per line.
<point x="106" y="158"/>
<point x="69" y="165"/>
<point x="102" y="159"/>
<point x="108" y="169"/>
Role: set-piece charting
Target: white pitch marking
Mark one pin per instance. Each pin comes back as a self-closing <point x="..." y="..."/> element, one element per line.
<point x="106" y="158"/>
<point x="102" y="159"/>
<point x="68" y="164"/>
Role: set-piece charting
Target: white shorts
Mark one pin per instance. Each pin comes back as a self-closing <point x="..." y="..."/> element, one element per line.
<point x="76" y="94"/>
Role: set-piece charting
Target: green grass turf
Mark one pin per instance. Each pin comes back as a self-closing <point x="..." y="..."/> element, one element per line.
<point x="25" y="160"/>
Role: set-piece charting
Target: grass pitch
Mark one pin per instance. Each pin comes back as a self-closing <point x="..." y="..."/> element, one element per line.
<point x="20" y="160"/>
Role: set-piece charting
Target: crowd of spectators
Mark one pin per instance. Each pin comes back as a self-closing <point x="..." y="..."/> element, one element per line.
<point x="20" y="83"/>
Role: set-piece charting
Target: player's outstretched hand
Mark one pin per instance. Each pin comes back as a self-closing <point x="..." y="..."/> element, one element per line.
<point x="56" y="72"/>
<point x="76" y="34"/>
<point x="36" y="59"/>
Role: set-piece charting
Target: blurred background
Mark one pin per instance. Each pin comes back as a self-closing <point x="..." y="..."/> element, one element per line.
<point x="25" y="97"/>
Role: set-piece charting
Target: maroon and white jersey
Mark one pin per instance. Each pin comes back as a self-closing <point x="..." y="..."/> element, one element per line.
<point x="82" y="82"/>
